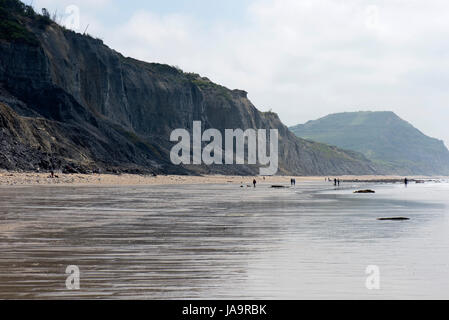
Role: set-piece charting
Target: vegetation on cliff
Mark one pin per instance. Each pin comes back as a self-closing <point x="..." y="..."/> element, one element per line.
<point x="14" y="17"/>
<point x="383" y="137"/>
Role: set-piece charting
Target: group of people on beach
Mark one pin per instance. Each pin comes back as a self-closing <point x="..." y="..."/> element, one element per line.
<point x="336" y="181"/>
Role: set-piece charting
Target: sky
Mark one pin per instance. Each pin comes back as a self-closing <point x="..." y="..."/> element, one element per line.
<point x="303" y="59"/>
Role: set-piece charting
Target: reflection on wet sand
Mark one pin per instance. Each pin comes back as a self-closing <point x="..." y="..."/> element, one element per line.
<point x="222" y="241"/>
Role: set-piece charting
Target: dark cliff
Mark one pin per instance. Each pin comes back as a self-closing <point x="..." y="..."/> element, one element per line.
<point x="69" y="102"/>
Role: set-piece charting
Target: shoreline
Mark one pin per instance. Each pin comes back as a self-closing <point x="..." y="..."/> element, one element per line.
<point x="9" y="178"/>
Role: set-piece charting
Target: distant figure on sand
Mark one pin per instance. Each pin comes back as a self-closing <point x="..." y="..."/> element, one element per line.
<point x="335" y="182"/>
<point x="406" y="181"/>
<point x="293" y="182"/>
<point x="254" y="183"/>
<point x="338" y="182"/>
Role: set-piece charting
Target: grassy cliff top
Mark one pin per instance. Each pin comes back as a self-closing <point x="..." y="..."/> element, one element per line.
<point x="14" y="18"/>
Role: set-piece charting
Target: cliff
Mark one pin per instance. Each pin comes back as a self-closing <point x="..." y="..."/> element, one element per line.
<point x="69" y="102"/>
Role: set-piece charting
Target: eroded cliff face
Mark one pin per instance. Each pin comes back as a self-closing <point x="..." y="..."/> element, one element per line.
<point x="74" y="104"/>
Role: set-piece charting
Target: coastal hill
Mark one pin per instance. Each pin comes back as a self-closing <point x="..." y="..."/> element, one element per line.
<point x="383" y="137"/>
<point x="70" y="103"/>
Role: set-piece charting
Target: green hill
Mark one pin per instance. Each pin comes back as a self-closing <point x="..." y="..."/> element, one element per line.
<point x="383" y="137"/>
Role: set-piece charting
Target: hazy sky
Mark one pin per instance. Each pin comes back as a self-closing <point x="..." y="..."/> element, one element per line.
<point x="302" y="58"/>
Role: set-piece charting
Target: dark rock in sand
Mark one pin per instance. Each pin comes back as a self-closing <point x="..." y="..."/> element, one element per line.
<point x="279" y="187"/>
<point x="365" y="191"/>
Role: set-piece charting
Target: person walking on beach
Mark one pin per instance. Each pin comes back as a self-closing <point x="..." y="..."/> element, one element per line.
<point x="254" y="183"/>
<point x="338" y="182"/>
<point x="406" y="181"/>
<point x="335" y="182"/>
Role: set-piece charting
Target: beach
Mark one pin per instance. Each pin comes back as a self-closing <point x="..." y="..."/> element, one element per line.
<point x="20" y="178"/>
<point x="220" y="241"/>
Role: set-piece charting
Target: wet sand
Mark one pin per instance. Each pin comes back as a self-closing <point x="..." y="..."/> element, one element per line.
<point x="219" y="241"/>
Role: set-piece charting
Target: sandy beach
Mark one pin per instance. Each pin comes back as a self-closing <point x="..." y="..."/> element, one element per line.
<point x="19" y="178"/>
